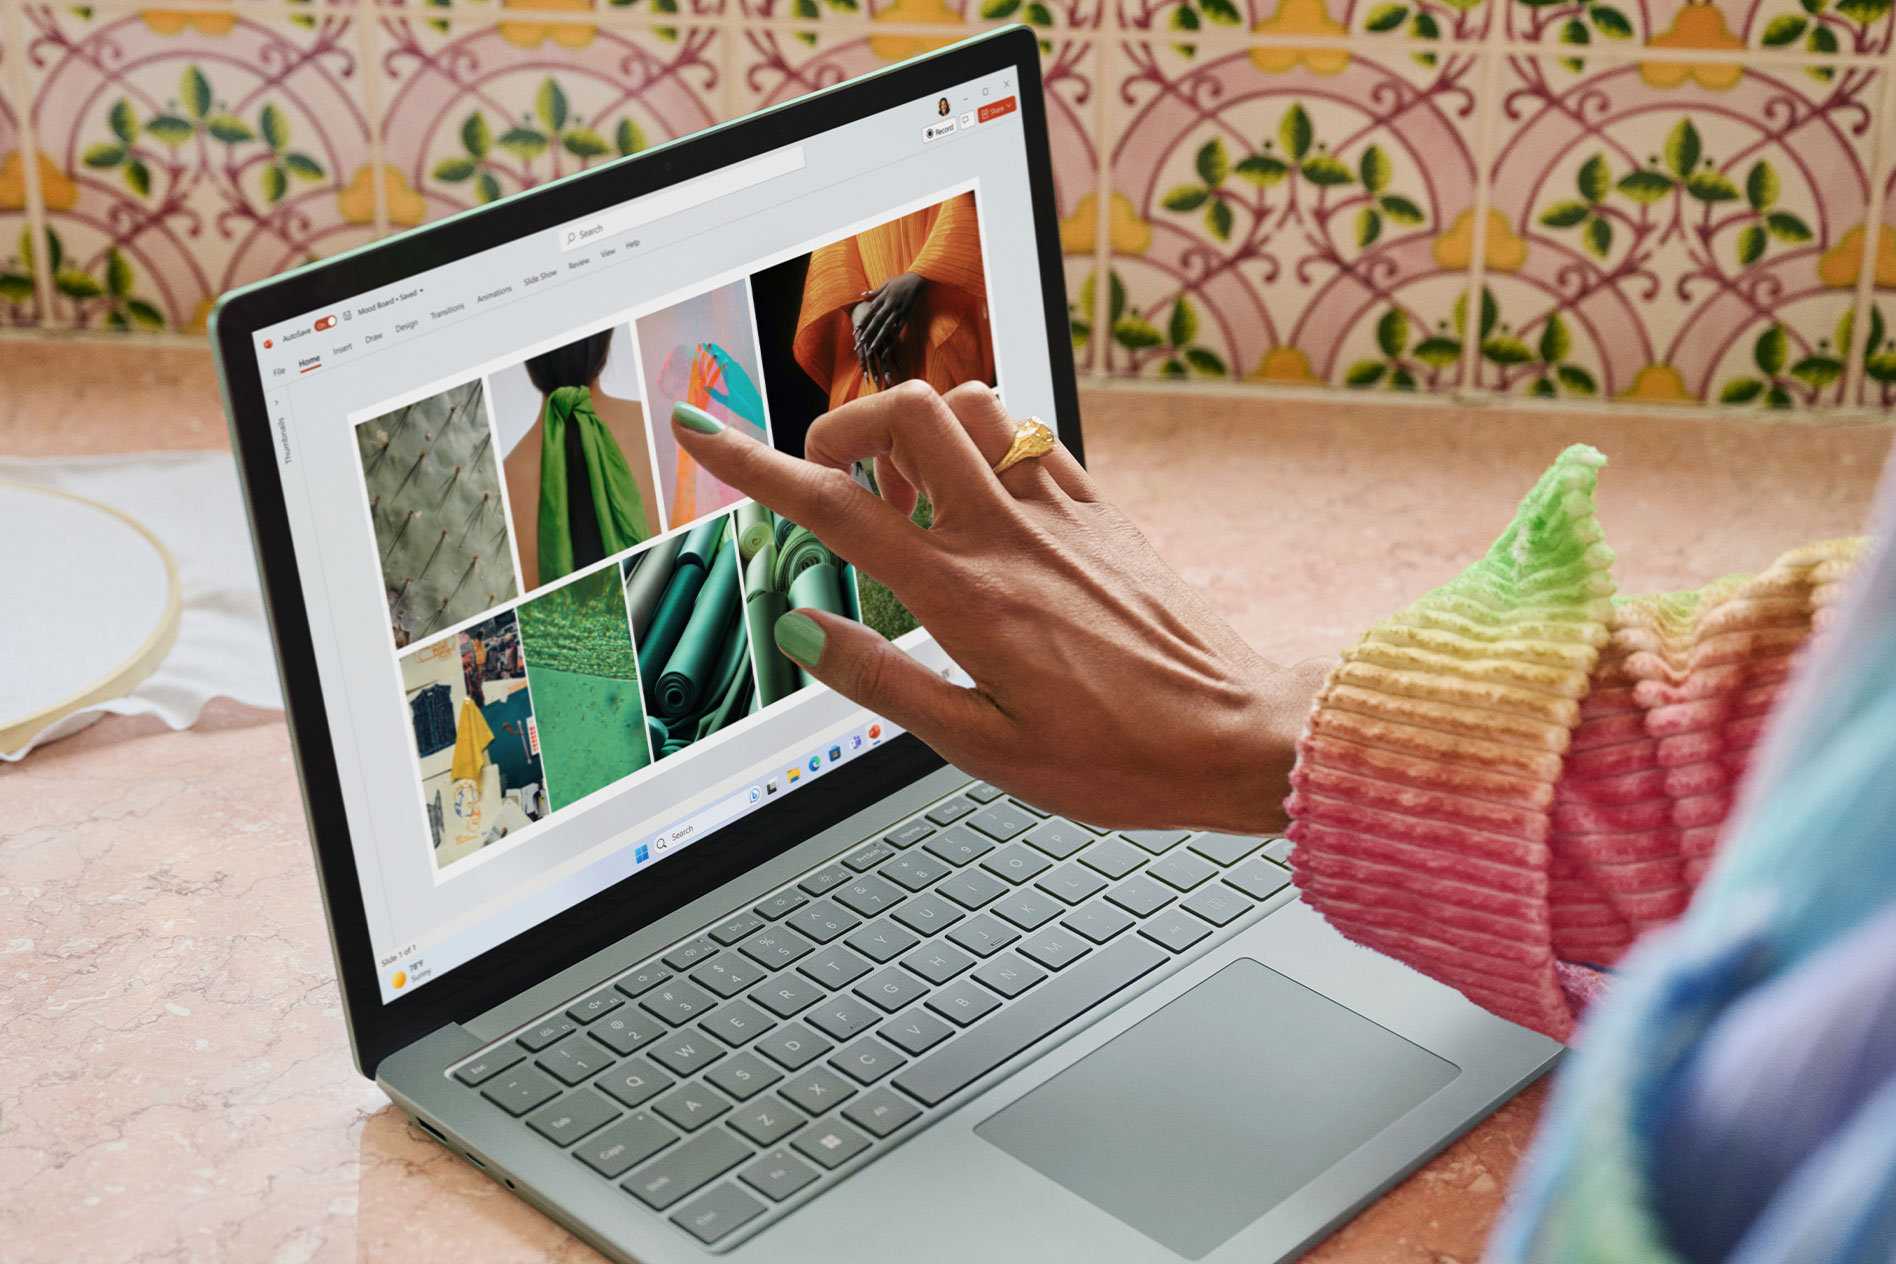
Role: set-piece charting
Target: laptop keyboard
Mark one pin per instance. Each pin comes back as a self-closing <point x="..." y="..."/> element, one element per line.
<point x="743" y="1071"/>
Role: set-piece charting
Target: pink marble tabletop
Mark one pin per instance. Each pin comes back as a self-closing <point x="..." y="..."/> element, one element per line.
<point x="174" y="1075"/>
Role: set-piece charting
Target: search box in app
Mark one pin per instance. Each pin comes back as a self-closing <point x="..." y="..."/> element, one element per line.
<point x="679" y="198"/>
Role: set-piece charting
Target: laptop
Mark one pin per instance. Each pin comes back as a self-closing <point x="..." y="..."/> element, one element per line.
<point x="677" y="945"/>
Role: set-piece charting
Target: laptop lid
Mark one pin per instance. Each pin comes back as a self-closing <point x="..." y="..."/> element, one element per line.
<point x="523" y="638"/>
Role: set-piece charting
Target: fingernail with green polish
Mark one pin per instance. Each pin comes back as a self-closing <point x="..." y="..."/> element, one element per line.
<point x="694" y="418"/>
<point x="800" y="637"/>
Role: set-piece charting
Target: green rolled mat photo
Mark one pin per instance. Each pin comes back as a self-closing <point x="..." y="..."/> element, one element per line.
<point x="669" y="619"/>
<point x="784" y="528"/>
<point x="702" y="541"/>
<point x="651" y="571"/>
<point x="799" y="551"/>
<point x="816" y="588"/>
<point x="776" y="675"/>
<point x="760" y="571"/>
<point x="851" y="594"/>
<point x="655" y="731"/>
<point x="756" y="527"/>
<point x="690" y="669"/>
<point x="732" y="689"/>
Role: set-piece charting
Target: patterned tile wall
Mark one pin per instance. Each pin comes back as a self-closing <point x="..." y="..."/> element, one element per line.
<point x="1649" y="200"/>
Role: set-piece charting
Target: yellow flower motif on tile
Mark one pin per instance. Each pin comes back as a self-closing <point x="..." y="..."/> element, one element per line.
<point x="1695" y="26"/>
<point x="1841" y="265"/>
<point x="1505" y="251"/>
<point x="1285" y="364"/>
<point x="1127" y="233"/>
<point x="1659" y="384"/>
<point x="173" y="21"/>
<point x="1300" y="17"/>
<point x="57" y="189"/>
<point x="533" y="34"/>
<point x="201" y="318"/>
<point x="356" y="200"/>
<point x="901" y="47"/>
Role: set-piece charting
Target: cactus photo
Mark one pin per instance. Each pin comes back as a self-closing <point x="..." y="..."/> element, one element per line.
<point x="440" y="520"/>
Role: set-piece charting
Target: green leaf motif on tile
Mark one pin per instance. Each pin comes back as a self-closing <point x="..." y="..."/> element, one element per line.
<point x="1646" y="185"/>
<point x="194" y="90"/>
<point x="1598" y="236"/>
<point x="1741" y="391"/>
<point x="1682" y="148"/>
<point x="1326" y="171"/>
<point x="1186" y="197"/>
<point x="1543" y="388"/>
<point x="1218" y="219"/>
<point x="1392" y="332"/>
<point x="1183" y="327"/>
<point x="550" y="104"/>
<point x="1822" y="40"/>
<point x="1771" y="349"/>
<point x="1750" y="245"/>
<point x="583" y="142"/>
<point x="486" y="187"/>
<point x="1260" y="169"/>
<point x="1375" y="170"/>
<point x="1296" y="132"/>
<point x="1577" y="380"/>
<point x="1401" y="380"/>
<point x="229" y="128"/>
<point x="1365" y="373"/>
<point x="1206" y="361"/>
<point x="1386" y="17"/>
<point x="1223" y="12"/>
<point x="995" y="10"/>
<point x="524" y="142"/>
<point x="103" y="155"/>
<point x="1555" y="341"/>
<point x="118" y="274"/>
<point x="1817" y="371"/>
<point x="1438" y="352"/>
<point x="1401" y="209"/>
<point x="76" y="285"/>
<point x="144" y="313"/>
<point x="627" y="138"/>
<point x="1864" y="11"/>
<point x="123" y="122"/>
<point x="1211" y="163"/>
<point x="1778" y="397"/>
<point x="1594" y="180"/>
<point x="1565" y="214"/>
<point x="1115" y="298"/>
<point x="1784" y="30"/>
<point x="276" y="182"/>
<point x="476" y="137"/>
<point x="1574" y="31"/>
<point x="1787" y="227"/>
<point x="1711" y="186"/>
<point x="1502" y="349"/>
<point x="454" y="170"/>
<point x="1172" y="368"/>
<point x="169" y="129"/>
<point x="1761" y="186"/>
<point x="1611" y="21"/>
<point x="274" y="128"/>
<point x="1369" y="226"/>
<point x="302" y="166"/>
<point x="1134" y="331"/>
<point x="15" y="287"/>
<point x="138" y="177"/>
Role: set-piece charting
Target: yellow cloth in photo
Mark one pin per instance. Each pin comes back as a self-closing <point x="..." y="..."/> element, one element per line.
<point x="471" y="736"/>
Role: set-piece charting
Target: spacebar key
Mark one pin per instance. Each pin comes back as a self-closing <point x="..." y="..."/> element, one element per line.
<point x="1040" y="1013"/>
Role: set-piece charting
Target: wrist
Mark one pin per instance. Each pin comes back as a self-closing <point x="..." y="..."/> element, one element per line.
<point x="1247" y="785"/>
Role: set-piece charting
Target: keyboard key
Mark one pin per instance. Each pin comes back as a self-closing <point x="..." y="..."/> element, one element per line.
<point x="1173" y="929"/>
<point x="1156" y="841"/>
<point x="880" y="1113"/>
<point x="971" y="888"/>
<point x="1182" y="870"/>
<point x="1001" y="821"/>
<point x="1072" y="883"/>
<point x="1010" y="975"/>
<point x="1140" y="896"/>
<point x="938" y="963"/>
<point x="779" y="904"/>
<point x="959" y="845"/>
<point x="868" y="895"/>
<point x="597" y="1005"/>
<point x="1113" y="857"/>
<point x="962" y="1003"/>
<point x="687" y="1169"/>
<point x="778" y="1175"/>
<point x="916" y="1031"/>
<point x="1038" y="813"/>
<point x="793" y="1046"/>
<point x="881" y="941"/>
<point x="692" y="1106"/>
<point x="1218" y="904"/>
<point x="573" y="1116"/>
<point x="520" y="1090"/>
<point x="1059" y="839"/>
<point x="892" y="989"/>
<point x="574" y="1059"/>
<point x="488" y="1065"/>
<point x="743" y="1076"/>
<point x="737" y="1023"/>
<point x="928" y="915"/>
<point x="686" y="1052"/>
<point x="1042" y="1012"/>
<point x="1224" y="850"/>
<point x="815" y="1090"/>
<point x="1029" y="909"/>
<point x="984" y="935"/>
<point x="982" y="792"/>
<point x="787" y="994"/>
<point x="1098" y="922"/>
<point x="1055" y="949"/>
<point x="909" y="833"/>
<point x="950" y="812"/>
<point x="776" y="948"/>
<point x="1258" y="878"/>
<point x="870" y="855"/>
<point x="635" y="1082"/>
<point x="866" y="1060"/>
<point x="540" y="1036"/>
<point x="690" y="953"/>
<point x="1016" y="862"/>
<point x="835" y="967"/>
<point x="728" y="975"/>
<point x="1278" y="850"/>
<point x="823" y="921"/>
<point x="914" y="871"/>
<point x="767" y="1121"/>
<point x="678" y="1002"/>
<point x="730" y="931"/>
<point x="826" y="879"/>
<point x="722" y="1211"/>
<point x="832" y="1144"/>
<point x="627" y="1030"/>
<point x="639" y="982"/>
<point x="841" y="1017"/>
<point x="631" y="1141"/>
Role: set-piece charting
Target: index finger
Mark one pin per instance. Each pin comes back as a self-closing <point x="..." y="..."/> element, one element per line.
<point x="914" y="429"/>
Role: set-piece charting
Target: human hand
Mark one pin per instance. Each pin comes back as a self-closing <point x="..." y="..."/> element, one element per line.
<point x="879" y="320"/>
<point x="1104" y="687"/>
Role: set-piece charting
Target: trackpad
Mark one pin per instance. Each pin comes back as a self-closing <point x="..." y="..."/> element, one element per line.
<point x="1213" y="1110"/>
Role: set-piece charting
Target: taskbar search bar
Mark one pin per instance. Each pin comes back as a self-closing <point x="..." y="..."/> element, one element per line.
<point x="679" y="198"/>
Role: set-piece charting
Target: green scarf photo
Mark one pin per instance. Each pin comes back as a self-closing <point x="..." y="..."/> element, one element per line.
<point x="615" y="496"/>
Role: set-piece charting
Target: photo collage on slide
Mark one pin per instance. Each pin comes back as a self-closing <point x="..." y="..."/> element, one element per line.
<point x="573" y="599"/>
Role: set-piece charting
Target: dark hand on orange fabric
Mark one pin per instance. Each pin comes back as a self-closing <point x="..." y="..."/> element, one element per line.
<point x="1104" y="686"/>
<point x="879" y="321"/>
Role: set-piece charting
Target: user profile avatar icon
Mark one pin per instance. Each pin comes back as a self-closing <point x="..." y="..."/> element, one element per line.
<point x="942" y="107"/>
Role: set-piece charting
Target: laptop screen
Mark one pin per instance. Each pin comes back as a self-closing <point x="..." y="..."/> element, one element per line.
<point x="542" y="631"/>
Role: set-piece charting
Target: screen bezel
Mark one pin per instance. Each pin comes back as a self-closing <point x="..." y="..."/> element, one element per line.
<point x="377" y="1029"/>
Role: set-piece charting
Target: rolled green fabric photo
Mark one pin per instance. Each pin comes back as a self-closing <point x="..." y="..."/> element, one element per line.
<point x="756" y="527"/>
<point x="776" y="675"/>
<point x="690" y="669"/>
<point x="852" y="595"/>
<point x="653" y="570"/>
<point x="800" y="551"/>
<point x="702" y="541"/>
<point x="784" y="528"/>
<point x="817" y="588"/>
<point x="655" y="733"/>
<point x="760" y="573"/>
<point x="668" y="622"/>
<point x="733" y="687"/>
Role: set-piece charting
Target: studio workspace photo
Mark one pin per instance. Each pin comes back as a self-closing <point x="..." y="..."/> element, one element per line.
<point x="950" y="631"/>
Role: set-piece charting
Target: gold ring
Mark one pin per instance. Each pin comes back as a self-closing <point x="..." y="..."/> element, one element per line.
<point x="1033" y="440"/>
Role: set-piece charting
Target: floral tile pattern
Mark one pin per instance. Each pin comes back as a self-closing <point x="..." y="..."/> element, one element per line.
<point x="1811" y="27"/>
